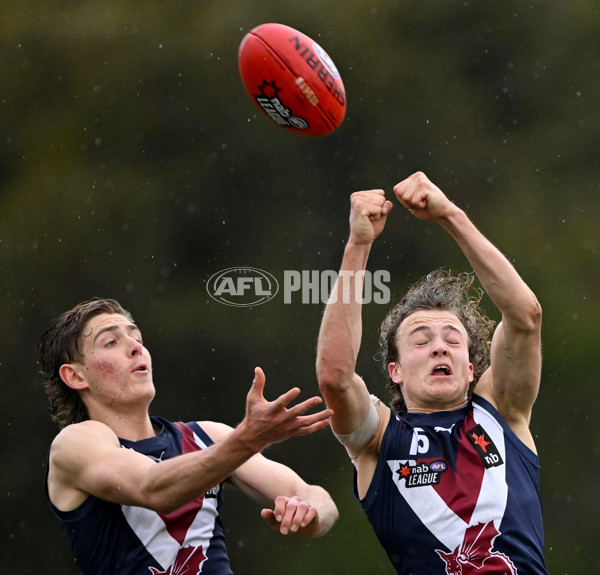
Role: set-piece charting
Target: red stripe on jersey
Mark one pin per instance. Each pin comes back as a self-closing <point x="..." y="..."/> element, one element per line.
<point x="460" y="487"/>
<point x="179" y="521"/>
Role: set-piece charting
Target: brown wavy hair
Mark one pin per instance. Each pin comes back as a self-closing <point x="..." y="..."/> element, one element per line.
<point x="442" y="291"/>
<point x="60" y="344"/>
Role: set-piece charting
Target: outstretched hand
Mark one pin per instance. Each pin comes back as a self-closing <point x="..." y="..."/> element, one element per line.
<point x="270" y="422"/>
<point x="422" y="198"/>
<point x="292" y="515"/>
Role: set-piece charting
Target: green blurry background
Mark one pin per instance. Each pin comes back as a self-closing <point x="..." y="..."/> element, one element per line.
<point x="133" y="165"/>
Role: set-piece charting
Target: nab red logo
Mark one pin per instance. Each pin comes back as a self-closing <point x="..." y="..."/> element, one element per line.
<point x="484" y="446"/>
<point x="480" y="440"/>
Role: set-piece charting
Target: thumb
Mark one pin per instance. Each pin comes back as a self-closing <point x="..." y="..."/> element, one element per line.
<point x="258" y="383"/>
<point x="385" y="211"/>
<point x="269" y="516"/>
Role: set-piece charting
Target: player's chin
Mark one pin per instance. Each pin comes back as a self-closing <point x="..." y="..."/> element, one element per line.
<point x="445" y="391"/>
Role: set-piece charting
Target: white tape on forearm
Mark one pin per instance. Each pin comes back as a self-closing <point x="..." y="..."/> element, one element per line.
<point x="356" y="441"/>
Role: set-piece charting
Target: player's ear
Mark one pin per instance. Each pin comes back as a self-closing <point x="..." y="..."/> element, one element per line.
<point x="72" y="375"/>
<point x="395" y="372"/>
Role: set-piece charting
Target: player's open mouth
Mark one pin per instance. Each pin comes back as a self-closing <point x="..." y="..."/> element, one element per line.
<point x="441" y="370"/>
<point x="142" y="368"/>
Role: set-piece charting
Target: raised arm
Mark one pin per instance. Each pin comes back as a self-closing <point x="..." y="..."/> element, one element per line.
<point x="341" y="328"/>
<point x="512" y="382"/>
<point x="86" y="458"/>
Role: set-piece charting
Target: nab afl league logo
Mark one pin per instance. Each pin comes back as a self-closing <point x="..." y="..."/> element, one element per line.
<point x="242" y="287"/>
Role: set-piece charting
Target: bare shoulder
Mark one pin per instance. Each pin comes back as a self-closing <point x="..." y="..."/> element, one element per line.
<point x="91" y="434"/>
<point x="77" y="444"/>
<point x="72" y="451"/>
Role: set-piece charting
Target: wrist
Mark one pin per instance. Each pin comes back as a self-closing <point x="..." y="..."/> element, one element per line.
<point x="247" y="442"/>
<point x="356" y="256"/>
<point x="357" y="245"/>
<point x="453" y="219"/>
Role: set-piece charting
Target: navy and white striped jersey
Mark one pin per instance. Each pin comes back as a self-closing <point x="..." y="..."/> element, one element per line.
<point x="456" y="493"/>
<point x="111" y="539"/>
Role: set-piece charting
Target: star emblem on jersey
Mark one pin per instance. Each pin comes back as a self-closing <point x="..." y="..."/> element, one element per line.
<point x="404" y="471"/>
<point x="484" y="446"/>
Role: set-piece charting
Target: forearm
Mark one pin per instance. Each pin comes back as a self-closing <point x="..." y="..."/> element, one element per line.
<point x="500" y="280"/>
<point x="341" y="328"/>
<point x="177" y="481"/>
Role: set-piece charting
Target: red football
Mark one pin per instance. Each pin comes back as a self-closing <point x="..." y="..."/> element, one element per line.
<point x="292" y="80"/>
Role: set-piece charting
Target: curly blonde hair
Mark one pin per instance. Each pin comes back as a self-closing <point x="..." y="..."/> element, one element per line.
<point x="439" y="290"/>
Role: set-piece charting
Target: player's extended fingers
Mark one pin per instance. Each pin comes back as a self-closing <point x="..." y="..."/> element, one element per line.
<point x="303" y="428"/>
<point x="307" y="424"/>
<point x="286" y="398"/>
<point x="319" y="420"/>
<point x="258" y="388"/>
<point x="304" y="406"/>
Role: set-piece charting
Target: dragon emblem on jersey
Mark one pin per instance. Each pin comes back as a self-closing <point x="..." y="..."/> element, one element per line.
<point x="474" y="556"/>
<point x="188" y="562"/>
